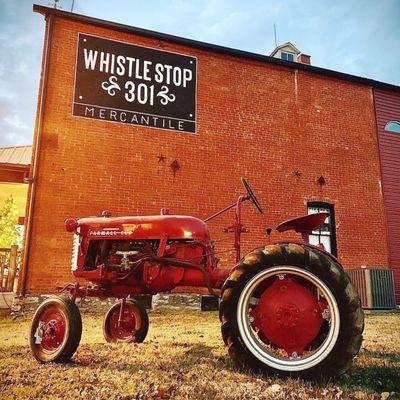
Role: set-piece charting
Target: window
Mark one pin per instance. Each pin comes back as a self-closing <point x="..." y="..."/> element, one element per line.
<point x="393" y="126"/>
<point x="326" y="235"/>
<point x="287" y="56"/>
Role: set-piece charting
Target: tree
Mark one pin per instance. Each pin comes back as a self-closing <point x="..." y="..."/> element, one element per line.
<point x="8" y="223"/>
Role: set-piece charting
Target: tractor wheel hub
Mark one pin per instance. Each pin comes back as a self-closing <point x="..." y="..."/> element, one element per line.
<point x="288" y="315"/>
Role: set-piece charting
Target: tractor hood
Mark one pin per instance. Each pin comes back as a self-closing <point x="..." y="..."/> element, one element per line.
<point x="146" y="227"/>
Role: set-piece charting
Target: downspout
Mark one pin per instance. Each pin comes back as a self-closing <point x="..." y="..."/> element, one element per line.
<point x="38" y="132"/>
<point x="381" y="178"/>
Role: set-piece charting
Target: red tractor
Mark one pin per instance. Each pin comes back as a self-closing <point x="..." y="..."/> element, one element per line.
<point x="286" y="308"/>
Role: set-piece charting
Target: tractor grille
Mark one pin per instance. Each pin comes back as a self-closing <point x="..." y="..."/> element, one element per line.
<point x="375" y="286"/>
<point x="75" y="246"/>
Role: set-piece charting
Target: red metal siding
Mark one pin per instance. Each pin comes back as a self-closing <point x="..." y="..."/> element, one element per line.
<point x="387" y="108"/>
<point x="357" y="276"/>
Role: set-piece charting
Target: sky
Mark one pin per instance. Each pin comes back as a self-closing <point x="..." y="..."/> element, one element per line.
<point x="359" y="37"/>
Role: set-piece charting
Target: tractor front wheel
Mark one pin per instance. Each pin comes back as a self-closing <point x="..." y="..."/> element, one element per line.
<point x="56" y="330"/>
<point x="291" y="310"/>
<point x="129" y="325"/>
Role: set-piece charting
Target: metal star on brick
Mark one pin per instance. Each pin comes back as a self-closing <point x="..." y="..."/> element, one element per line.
<point x="161" y="158"/>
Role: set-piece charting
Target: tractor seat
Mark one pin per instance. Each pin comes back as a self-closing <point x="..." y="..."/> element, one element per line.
<point x="305" y="224"/>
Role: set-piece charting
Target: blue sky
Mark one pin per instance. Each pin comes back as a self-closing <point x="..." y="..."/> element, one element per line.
<point x="359" y="37"/>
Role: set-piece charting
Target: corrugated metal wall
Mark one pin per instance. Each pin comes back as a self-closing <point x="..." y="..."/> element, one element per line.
<point x="357" y="276"/>
<point x="387" y="108"/>
<point x="375" y="287"/>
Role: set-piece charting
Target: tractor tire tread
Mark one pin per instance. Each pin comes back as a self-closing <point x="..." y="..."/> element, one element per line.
<point x="74" y="321"/>
<point x="140" y="335"/>
<point x="326" y="268"/>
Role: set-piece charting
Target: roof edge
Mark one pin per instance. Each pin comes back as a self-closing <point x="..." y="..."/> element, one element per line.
<point x="212" y="47"/>
<point x="14" y="167"/>
<point x="17" y="145"/>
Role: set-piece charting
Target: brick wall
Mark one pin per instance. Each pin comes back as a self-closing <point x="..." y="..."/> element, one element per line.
<point x="256" y="120"/>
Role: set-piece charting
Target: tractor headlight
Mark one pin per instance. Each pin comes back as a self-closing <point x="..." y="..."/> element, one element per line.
<point x="71" y="225"/>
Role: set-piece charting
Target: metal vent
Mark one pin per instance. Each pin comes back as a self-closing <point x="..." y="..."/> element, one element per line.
<point x="75" y="247"/>
<point x="382" y="288"/>
<point x="375" y="286"/>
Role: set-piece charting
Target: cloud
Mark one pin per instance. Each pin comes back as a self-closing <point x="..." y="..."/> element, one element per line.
<point x="360" y="37"/>
<point x="21" y="38"/>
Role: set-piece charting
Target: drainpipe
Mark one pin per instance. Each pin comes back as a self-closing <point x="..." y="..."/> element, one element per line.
<point x="378" y="146"/>
<point x="38" y="132"/>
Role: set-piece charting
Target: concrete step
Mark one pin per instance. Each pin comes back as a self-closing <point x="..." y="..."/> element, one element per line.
<point x="180" y="301"/>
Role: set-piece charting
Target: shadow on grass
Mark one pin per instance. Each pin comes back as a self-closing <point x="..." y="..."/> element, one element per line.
<point x="392" y="357"/>
<point x="379" y="371"/>
<point x="203" y="353"/>
<point x="376" y="378"/>
<point x="190" y="359"/>
<point x="371" y="378"/>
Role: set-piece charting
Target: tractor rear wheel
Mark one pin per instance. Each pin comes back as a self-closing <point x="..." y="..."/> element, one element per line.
<point x="291" y="310"/>
<point x="56" y="330"/>
<point x="132" y="327"/>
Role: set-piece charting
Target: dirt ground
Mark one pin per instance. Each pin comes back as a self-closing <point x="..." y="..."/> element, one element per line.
<point x="183" y="357"/>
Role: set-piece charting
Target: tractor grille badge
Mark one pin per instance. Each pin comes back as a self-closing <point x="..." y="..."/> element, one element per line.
<point x="110" y="233"/>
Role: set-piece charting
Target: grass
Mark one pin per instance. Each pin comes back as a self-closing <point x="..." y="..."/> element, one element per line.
<point x="183" y="357"/>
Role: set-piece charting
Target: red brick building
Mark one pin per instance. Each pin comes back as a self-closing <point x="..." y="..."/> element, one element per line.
<point x="304" y="137"/>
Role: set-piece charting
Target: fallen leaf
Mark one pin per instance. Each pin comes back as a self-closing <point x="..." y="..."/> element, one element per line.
<point x="160" y="394"/>
<point x="274" y="389"/>
<point x="339" y="394"/>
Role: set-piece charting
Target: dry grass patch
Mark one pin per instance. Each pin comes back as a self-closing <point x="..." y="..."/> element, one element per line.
<point x="183" y="357"/>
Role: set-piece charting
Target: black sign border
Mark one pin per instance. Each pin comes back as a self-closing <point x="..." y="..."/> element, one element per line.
<point x="121" y="123"/>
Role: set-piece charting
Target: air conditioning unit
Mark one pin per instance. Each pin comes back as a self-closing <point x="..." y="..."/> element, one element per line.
<point x="376" y="287"/>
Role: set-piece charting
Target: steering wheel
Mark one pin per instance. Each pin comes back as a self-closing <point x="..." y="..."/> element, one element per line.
<point x="251" y="195"/>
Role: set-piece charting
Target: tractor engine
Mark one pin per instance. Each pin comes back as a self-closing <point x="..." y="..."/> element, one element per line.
<point x="134" y="263"/>
<point x="118" y="255"/>
<point x="150" y="254"/>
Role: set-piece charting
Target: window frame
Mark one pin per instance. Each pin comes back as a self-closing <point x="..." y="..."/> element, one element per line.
<point x="287" y="56"/>
<point x="331" y="209"/>
<point x="396" y="124"/>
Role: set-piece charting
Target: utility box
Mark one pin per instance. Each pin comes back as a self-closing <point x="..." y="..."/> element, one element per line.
<point x="376" y="287"/>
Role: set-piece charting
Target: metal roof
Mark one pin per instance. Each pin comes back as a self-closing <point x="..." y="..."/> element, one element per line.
<point x="212" y="47"/>
<point x="16" y="155"/>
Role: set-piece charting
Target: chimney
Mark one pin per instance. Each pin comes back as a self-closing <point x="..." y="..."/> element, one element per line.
<point x="304" y="59"/>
